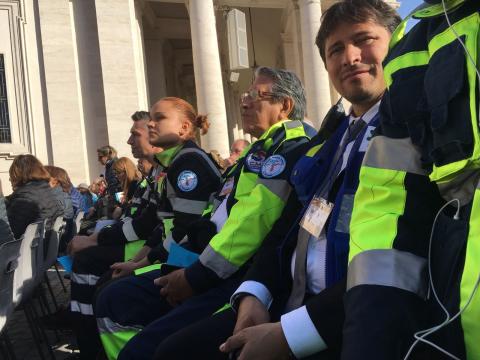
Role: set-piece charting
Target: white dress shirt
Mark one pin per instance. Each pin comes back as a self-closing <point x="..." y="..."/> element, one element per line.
<point x="299" y="330"/>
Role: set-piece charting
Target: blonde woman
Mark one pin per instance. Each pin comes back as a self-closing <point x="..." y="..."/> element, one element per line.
<point x="129" y="178"/>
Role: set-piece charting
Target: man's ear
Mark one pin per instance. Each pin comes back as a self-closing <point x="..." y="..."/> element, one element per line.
<point x="287" y="106"/>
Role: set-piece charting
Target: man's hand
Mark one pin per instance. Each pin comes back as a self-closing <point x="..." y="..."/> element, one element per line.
<point x="251" y="312"/>
<point x="80" y="242"/>
<point x="261" y="342"/>
<point x="123" y="268"/>
<point x="175" y="287"/>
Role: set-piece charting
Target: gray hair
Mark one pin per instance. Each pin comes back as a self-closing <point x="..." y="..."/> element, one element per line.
<point x="286" y="85"/>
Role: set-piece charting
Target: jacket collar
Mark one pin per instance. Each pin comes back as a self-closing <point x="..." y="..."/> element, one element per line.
<point x="166" y="157"/>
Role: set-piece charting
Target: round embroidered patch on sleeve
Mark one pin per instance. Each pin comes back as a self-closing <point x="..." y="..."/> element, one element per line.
<point x="273" y="166"/>
<point x="187" y="180"/>
<point x="255" y="161"/>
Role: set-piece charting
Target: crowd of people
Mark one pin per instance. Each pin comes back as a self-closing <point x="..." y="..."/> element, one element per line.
<point x="356" y="241"/>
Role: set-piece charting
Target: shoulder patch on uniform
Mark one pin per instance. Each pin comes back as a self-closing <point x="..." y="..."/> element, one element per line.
<point x="255" y="161"/>
<point x="187" y="180"/>
<point x="273" y="166"/>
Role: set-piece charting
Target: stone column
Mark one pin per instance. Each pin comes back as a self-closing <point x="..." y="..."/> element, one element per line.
<point x="316" y="78"/>
<point x="62" y="82"/>
<point x="121" y="51"/>
<point x="208" y="74"/>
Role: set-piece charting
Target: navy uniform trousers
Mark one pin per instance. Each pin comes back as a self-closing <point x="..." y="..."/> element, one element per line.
<point x="135" y="301"/>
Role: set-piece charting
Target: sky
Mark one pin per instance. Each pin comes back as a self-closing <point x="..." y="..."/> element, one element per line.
<point x="406" y="6"/>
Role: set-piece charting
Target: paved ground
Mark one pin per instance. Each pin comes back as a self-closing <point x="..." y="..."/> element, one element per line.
<point x="21" y="336"/>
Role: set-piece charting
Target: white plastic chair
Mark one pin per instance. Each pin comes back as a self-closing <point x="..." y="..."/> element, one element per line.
<point x="78" y="221"/>
<point x="9" y="254"/>
<point x="25" y="276"/>
<point x="51" y="249"/>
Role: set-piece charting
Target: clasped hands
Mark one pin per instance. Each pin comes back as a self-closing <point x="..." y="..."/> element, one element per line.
<point x="254" y="337"/>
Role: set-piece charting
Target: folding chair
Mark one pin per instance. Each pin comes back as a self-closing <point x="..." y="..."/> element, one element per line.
<point x="26" y="279"/>
<point x="9" y="254"/>
<point x="78" y="221"/>
<point x="52" y="242"/>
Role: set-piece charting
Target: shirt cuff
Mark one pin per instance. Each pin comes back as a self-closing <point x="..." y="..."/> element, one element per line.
<point x="301" y="334"/>
<point x="254" y="288"/>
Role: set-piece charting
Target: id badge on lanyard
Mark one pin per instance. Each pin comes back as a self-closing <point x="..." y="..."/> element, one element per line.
<point x="227" y="187"/>
<point x="316" y="216"/>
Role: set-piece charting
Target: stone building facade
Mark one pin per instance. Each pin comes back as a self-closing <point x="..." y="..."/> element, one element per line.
<point x="73" y="71"/>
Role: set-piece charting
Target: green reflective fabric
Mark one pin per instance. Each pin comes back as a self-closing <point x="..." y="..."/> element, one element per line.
<point x="208" y="210"/>
<point x="437" y="9"/>
<point x="414" y="58"/>
<point x="132" y="248"/>
<point x="114" y="343"/>
<point x="313" y="150"/>
<point x="469" y="28"/>
<point x="256" y="210"/>
<point x="293" y="132"/>
<point x="166" y="156"/>
<point x="382" y="196"/>
<point x="249" y="221"/>
<point x="424" y="12"/>
<point x="223" y="308"/>
<point x="167" y="226"/>
<point x="470" y="318"/>
<point x="148" y="268"/>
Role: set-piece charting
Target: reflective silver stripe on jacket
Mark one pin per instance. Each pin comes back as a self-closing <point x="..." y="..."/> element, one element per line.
<point x="85" y="279"/>
<point x="146" y="194"/>
<point x="107" y="326"/>
<point x="164" y="215"/>
<point x="217" y="263"/>
<point x="84" y="309"/>
<point x="202" y="154"/>
<point x="393" y="154"/>
<point x="195" y="207"/>
<point x="129" y="231"/>
<point x="461" y="187"/>
<point x="279" y="187"/>
<point x="389" y="267"/>
<point x="293" y="124"/>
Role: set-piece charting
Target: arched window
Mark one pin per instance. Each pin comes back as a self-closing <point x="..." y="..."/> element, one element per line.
<point x="5" y="134"/>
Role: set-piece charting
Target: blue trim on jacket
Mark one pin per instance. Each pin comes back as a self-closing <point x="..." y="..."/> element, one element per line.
<point x="307" y="177"/>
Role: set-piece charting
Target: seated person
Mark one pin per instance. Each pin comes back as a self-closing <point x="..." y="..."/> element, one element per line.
<point x="60" y="181"/>
<point x="185" y="179"/>
<point x="129" y="178"/>
<point x="236" y="150"/>
<point x="281" y="308"/>
<point x="252" y="197"/>
<point x="89" y="198"/>
<point x="32" y="199"/>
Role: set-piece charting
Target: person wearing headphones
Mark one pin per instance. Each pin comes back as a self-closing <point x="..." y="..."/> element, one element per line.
<point x="413" y="274"/>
